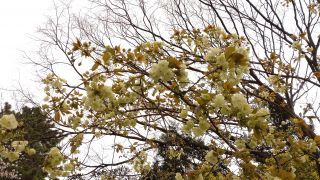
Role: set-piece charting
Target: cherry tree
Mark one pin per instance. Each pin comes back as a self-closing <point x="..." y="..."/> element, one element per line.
<point x="237" y="81"/>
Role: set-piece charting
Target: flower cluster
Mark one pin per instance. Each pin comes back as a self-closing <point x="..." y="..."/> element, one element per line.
<point x="75" y="142"/>
<point x="140" y="162"/>
<point x="210" y="106"/>
<point x="19" y="146"/>
<point x="296" y="45"/>
<point x="178" y="176"/>
<point x="183" y="75"/>
<point x="211" y="157"/>
<point x="204" y="125"/>
<point x="11" y="155"/>
<point x="258" y="120"/>
<point x="240" y="103"/>
<point x="97" y="95"/>
<point x="220" y="103"/>
<point x="277" y="84"/>
<point x="52" y="162"/>
<point x="161" y="71"/>
<point x="54" y="82"/>
<point x="227" y="65"/>
<point x="9" y="122"/>
<point x="188" y="126"/>
<point x="212" y="54"/>
<point x="184" y="113"/>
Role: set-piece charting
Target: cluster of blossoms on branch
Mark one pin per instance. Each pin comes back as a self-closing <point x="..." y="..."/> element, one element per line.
<point x="202" y="91"/>
<point x="148" y="69"/>
<point x="137" y="95"/>
<point x="8" y="124"/>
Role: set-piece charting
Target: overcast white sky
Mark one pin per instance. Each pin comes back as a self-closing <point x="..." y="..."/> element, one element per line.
<point x="19" y="21"/>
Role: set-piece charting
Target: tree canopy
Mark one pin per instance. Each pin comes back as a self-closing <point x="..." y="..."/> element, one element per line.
<point x="37" y="132"/>
<point x="182" y="89"/>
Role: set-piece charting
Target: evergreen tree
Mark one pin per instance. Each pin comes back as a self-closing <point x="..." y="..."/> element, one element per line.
<point x="168" y="163"/>
<point x="40" y="135"/>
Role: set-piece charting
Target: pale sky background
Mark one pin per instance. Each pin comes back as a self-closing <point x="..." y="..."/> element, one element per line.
<point x="19" y="21"/>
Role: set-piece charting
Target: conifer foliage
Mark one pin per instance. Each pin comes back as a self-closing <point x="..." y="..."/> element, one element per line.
<point x="32" y="140"/>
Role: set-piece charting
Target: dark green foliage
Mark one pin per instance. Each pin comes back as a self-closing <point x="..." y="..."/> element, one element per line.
<point x="166" y="167"/>
<point x="37" y="130"/>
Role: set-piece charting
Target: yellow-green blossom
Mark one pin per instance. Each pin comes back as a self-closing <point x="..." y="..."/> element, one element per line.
<point x="9" y="122"/>
<point x="19" y="146"/>
<point x="183" y="114"/>
<point x="211" y="157"/>
<point x="161" y="71"/>
<point x="31" y="151"/>
<point x="12" y="156"/>
<point x="219" y="101"/>
<point x="240" y="103"/>
<point x="178" y="176"/>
